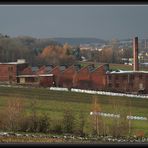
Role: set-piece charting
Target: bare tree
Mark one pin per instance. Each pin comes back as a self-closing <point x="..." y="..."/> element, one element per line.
<point x="80" y="123"/>
<point x="96" y="119"/>
<point x="13" y="113"/>
<point x="119" y="126"/>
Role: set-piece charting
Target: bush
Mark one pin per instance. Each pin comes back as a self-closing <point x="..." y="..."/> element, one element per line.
<point x="12" y="114"/>
<point x="44" y="123"/>
<point x="57" y="126"/>
<point x="79" y="125"/>
<point x="35" y="124"/>
<point x="68" y="121"/>
<point x="25" y="124"/>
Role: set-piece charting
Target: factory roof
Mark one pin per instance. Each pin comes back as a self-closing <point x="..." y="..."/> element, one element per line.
<point x="125" y="72"/>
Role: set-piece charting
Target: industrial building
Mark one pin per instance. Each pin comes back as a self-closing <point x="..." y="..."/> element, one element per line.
<point x="75" y="76"/>
<point x="129" y="81"/>
<point x="9" y="71"/>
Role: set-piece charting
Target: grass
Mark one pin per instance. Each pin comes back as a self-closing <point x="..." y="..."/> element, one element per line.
<point x="115" y="66"/>
<point x="121" y="67"/>
<point x="55" y="102"/>
<point x="40" y="140"/>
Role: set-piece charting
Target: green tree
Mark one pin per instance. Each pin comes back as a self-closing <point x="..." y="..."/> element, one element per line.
<point x="77" y="53"/>
<point x="81" y="124"/>
<point x="44" y="123"/>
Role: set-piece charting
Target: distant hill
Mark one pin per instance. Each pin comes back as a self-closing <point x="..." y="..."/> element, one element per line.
<point x="78" y="41"/>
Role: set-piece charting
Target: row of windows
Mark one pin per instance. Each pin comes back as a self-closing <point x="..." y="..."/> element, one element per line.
<point x="125" y="77"/>
<point x="10" y="69"/>
<point x="117" y="85"/>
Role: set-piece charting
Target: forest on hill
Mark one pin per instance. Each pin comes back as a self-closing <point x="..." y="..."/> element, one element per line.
<point x="35" y="51"/>
<point x="45" y="51"/>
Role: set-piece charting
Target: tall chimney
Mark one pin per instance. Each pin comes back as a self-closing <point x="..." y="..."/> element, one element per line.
<point x="135" y="54"/>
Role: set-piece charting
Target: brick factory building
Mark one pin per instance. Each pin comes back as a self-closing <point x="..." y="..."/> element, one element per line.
<point x="57" y="71"/>
<point x="127" y="81"/>
<point x="98" y="77"/>
<point x="9" y="71"/>
<point x="36" y="76"/>
<point x="75" y="76"/>
<point x="68" y="76"/>
<point x="28" y="76"/>
<point x="88" y="77"/>
<point x="82" y="78"/>
<point x="46" y="79"/>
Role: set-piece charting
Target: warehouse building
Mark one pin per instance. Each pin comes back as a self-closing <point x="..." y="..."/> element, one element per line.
<point x="75" y="76"/>
<point x="9" y="71"/>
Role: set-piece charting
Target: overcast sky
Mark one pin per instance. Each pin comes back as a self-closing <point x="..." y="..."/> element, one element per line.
<point x="105" y="22"/>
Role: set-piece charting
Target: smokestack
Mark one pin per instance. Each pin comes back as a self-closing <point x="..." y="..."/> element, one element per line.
<point x="135" y="54"/>
<point x="145" y="45"/>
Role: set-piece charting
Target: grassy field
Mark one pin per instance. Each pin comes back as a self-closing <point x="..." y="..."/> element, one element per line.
<point x="55" y="102"/>
<point x="114" y="66"/>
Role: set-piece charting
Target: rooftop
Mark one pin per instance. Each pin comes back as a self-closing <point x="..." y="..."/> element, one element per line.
<point x="125" y="72"/>
<point x="19" y="61"/>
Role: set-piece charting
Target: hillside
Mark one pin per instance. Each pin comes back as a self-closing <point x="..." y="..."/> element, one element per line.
<point x="78" y="41"/>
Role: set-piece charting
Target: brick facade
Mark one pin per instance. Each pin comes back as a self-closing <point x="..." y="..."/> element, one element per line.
<point x="68" y="76"/>
<point x="98" y="78"/>
<point x="88" y="77"/>
<point x="128" y="82"/>
<point x="82" y="78"/>
<point x="8" y="72"/>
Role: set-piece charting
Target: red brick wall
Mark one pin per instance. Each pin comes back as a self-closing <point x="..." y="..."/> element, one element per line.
<point x="46" y="81"/>
<point x="67" y="77"/>
<point x="8" y="73"/>
<point x="56" y="72"/>
<point x="127" y="82"/>
<point x="41" y="70"/>
<point x="82" y="79"/>
<point x="21" y="67"/>
<point x="98" y="78"/>
<point x="27" y="71"/>
<point x="135" y="54"/>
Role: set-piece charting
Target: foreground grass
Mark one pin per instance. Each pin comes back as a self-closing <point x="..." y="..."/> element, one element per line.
<point x="55" y="102"/>
<point x="13" y="139"/>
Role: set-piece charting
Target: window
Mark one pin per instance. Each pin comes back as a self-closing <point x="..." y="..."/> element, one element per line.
<point x="110" y="85"/>
<point x="132" y="77"/>
<point x="109" y="77"/>
<point x="36" y="79"/>
<point x="117" y="85"/>
<point x="117" y="77"/>
<point x="131" y="84"/>
<point x="10" y="69"/>
<point x="140" y="76"/>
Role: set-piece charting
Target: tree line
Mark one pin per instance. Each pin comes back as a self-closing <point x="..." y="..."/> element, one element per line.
<point x="47" y="51"/>
<point x="35" y="51"/>
<point x="111" y="53"/>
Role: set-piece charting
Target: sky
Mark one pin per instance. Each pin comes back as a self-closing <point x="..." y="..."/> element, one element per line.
<point x="99" y="21"/>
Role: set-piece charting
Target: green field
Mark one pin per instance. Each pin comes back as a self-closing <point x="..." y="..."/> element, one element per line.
<point x="55" y="102"/>
<point x="114" y="66"/>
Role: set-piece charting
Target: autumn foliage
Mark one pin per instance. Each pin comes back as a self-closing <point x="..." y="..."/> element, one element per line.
<point x="56" y="54"/>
